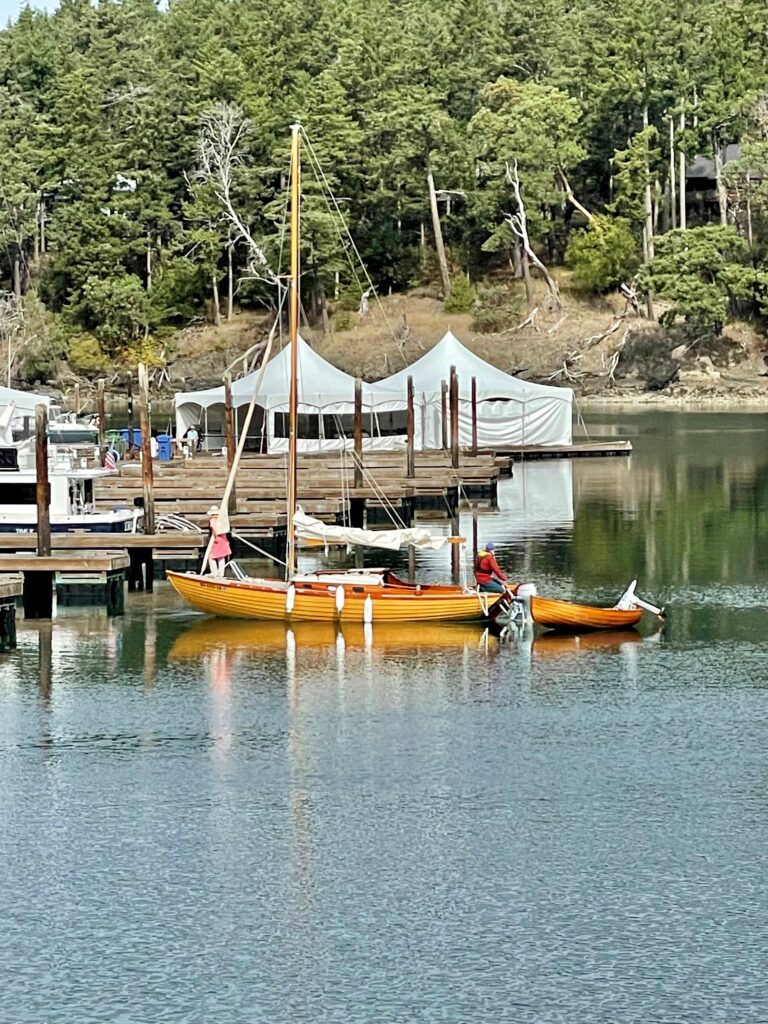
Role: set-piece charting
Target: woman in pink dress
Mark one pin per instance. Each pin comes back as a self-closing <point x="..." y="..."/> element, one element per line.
<point x="220" y="549"/>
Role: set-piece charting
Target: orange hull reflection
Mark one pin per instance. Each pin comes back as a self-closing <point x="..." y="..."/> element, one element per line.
<point x="210" y="634"/>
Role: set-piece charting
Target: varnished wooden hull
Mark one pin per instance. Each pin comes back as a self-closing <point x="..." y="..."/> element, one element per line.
<point x="573" y="618"/>
<point x="269" y="600"/>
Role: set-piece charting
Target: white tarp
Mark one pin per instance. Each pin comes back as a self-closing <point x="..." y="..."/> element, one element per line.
<point x="510" y="411"/>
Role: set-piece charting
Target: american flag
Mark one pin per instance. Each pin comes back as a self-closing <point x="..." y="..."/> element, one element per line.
<point x="110" y="460"/>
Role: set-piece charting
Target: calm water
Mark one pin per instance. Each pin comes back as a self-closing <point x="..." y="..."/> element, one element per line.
<point x="206" y="822"/>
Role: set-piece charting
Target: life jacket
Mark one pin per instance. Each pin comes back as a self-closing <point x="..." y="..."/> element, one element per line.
<point x="484" y="566"/>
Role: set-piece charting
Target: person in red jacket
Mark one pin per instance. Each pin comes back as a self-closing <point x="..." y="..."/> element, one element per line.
<point x="486" y="568"/>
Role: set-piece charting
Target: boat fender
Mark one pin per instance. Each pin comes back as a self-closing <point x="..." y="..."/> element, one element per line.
<point x="340" y="597"/>
<point x="290" y="599"/>
<point x="368" y="610"/>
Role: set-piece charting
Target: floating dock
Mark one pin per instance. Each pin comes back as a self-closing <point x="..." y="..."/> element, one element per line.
<point x="68" y="572"/>
<point x="579" y="450"/>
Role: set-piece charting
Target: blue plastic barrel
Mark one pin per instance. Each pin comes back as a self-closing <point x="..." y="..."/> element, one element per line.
<point x="164" y="447"/>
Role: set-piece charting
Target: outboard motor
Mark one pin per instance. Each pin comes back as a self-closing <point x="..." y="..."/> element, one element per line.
<point x="525" y="592"/>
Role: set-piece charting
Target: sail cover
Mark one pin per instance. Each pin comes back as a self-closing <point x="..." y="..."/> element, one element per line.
<point x="308" y="528"/>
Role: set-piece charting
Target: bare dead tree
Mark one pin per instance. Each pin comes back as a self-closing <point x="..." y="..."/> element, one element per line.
<point x="223" y="127"/>
<point x="518" y="222"/>
<point x="572" y="198"/>
<point x="11" y="322"/>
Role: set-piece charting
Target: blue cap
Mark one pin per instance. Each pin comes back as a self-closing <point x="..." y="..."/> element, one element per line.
<point x="490" y="547"/>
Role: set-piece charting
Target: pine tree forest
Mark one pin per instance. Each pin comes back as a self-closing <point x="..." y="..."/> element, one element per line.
<point x="480" y="147"/>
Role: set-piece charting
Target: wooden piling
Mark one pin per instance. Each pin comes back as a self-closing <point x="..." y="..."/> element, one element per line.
<point x="358" y="431"/>
<point x="444" y="415"/>
<point x="43" y="487"/>
<point x="453" y="394"/>
<point x="455" y="552"/>
<point x="410" y="462"/>
<point x="147" y="476"/>
<point x="229" y="426"/>
<point x="474" y="415"/>
<point x="102" y="417"/>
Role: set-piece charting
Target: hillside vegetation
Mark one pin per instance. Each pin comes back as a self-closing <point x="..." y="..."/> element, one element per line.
<point x="475" y="148"/>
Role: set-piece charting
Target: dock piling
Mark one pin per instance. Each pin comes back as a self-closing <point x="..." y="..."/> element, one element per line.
<point x="410" y="462"/>
<point x="358" y="431"/>
<point x="444" y="415"/>
<point x="146" y="453"/>
<point x="474" y="415"/>
<point x="102" y="418"/>
<point x="43" y="487"/>
<point x="453" y="394"/>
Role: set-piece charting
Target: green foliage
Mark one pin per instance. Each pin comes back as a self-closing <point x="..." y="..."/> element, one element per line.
<point x="105" y="215"/>
<point x="496" y="308"/>
<point x="115" y="309"/>
<point x="706" y="275"/>
<point x="85" y="355"/>
<point x="603" y="255"/>
<point x="461" y="297"/>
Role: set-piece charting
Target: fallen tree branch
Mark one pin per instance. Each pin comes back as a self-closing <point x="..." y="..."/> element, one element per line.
<point x="530" y="321"/>
<point x="559" y="324"/>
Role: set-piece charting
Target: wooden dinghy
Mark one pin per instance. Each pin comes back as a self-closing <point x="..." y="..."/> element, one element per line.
<point x="568" y="617"/>
<point x="572" y="618"/>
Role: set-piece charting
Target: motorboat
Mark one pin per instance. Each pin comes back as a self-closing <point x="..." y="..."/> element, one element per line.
<point x="72" y="505"/>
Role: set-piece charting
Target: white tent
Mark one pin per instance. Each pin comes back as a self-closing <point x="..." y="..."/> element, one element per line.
<point x="326" y="407"/>
<point x="509" y="411"/>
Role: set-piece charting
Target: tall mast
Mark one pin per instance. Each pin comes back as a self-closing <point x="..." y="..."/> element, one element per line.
<point x="293" y="404"/>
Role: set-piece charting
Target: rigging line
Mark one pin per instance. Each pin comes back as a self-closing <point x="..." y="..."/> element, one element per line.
<point x="356" y="251"/>
<point x="380" y="494"/>
<point x="580" y="418"/>
<point x="344" y="247"/>
<point x="342" y="241"/>
<point x="255" y="547"/>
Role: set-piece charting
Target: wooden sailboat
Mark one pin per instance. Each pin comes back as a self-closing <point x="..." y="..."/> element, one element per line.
<point x="346" y="597"/>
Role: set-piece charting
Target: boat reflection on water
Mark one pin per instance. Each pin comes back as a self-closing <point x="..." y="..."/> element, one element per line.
<point x="554" y="644"/>
<point x="242" y="635"/>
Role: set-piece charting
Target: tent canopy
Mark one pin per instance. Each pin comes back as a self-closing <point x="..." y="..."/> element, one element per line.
<point x="510" y="411"/>
<point x="320" y="384"/>
<point x="434" y="366"/>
